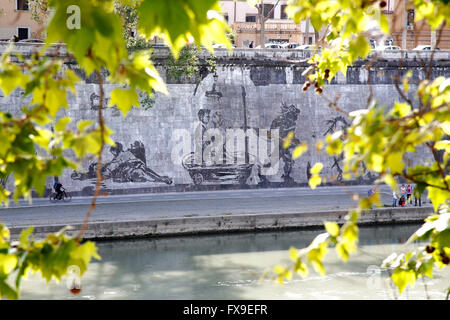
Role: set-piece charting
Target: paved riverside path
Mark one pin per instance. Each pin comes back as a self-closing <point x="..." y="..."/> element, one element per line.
<point x="144" y="207"/>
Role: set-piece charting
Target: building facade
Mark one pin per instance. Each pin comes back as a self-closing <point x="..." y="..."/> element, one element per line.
<point x="16" y="19"/>
<point x="245" y="21"/>
<point x="408" y="34"/>
<point x="405" y="33"/>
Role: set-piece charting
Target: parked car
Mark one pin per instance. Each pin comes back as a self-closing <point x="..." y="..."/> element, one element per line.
<point x="158" y="45"/>
<point x="5" y="40"/>
<point x="270" y="46"/>
<point x="221" y="46"/>
<point x="290" y="45"/>
<point x="273" y="46"/>
<point x="424" y="47"/>
<point x="306" y="47"/>
<point x="388" y="48"/>
<point x="31" y="41"/>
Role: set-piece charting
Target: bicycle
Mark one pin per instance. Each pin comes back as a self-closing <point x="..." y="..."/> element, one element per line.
<point x="66" y="197"/>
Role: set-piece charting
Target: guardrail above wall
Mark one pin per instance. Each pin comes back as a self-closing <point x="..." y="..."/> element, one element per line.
<point x="247" y="53"/>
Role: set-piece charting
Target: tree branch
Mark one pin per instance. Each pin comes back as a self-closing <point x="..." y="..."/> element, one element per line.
<point x="99" y="163"/>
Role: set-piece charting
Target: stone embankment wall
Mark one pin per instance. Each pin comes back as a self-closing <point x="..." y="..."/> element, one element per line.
<point x="257" y="90"/>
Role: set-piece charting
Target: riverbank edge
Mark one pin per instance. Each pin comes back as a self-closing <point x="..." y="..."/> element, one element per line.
<point x="166" y="227"/>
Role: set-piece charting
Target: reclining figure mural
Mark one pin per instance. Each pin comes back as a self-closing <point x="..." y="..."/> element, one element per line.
<point x="126" y="166"/>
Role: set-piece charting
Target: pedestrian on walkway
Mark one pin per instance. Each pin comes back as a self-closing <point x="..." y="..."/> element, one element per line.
<point x="394" y="199"/>
<point x="408" y="194"/>
<point x="403" y="191"/>
<point x="417" y="197"/>
<point x="401" y="202"/>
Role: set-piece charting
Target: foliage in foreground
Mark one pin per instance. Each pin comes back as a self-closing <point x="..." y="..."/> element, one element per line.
<point x="36" y="142"/>
<point x="378" y="138"/>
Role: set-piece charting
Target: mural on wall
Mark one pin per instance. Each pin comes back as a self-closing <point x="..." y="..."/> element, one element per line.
<point x="196" y="163"/>
<point x="340" y="123"/>
<point x="337" y="123"/>
<point x="210" y="161"/>
<point x="126" y="166"/>
<point x="286" y="122"/>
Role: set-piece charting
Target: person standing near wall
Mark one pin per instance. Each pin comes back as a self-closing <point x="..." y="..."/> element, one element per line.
<point x="408" y="194"/>
<point x="417" y="197"/>
<point x="394" y="199"/>
<point x="403" y="191"/>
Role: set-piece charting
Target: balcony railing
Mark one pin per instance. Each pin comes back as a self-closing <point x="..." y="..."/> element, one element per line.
<point x="268" y="26"/>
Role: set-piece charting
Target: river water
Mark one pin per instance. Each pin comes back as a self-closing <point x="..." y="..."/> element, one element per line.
<point x="230" y="266"/>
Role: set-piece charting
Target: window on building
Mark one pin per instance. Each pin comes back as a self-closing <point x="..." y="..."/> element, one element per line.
<point x="250" y="18"/>
<point x="268" y="8"/>
<point x="22" y="5"/>
<point x="387" y="6"/>
<point x="410" y="21"/>
<point x="283" y="13"/>
<point x="23" y="33"/>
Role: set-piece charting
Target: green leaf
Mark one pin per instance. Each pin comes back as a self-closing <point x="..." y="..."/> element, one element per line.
<point x="314" y="181"/>
<point x="83" y="124"/>
<point x="7" y="291"/>
<point x="299" y="150"/>
<point x="180" y="22"/>
<point x="402" y="278"/>
<point x="437" y="196"/>
<point x="394" y="161"/>
<point x="332" y="228"/>
<point x="24" y="235"/>
<point x="401" y="109"/>
<point x="293" y="254"/>
<point x="125" y="99"/>
<point x="62" y="123"/>
<point x="316" y="168"/>
<point x="7" y="263"/>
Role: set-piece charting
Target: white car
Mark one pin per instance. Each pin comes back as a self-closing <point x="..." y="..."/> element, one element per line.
<point x="388" y="48"/>
<point x="32" y="41"/>
<point x="424" y="47"/>
<point x="273" y="46"/>
<point x="270" y="46"/>
<point x="290" y="45"/>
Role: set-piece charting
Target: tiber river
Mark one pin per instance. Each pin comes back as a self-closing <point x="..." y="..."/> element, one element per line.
<point x="229" y="267"/>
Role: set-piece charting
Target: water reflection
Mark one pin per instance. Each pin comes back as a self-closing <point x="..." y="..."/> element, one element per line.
<point x="229" y="266"/>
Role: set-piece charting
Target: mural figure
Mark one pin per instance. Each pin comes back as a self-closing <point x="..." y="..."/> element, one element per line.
<point x="200" y="142"/>
<point x="337" y="123"/>
<point x="340" y="123"/>
<point x="285" y="123"/>
<point x="126" y="166"/>
<point x="198" y="169"/>
<point x="94" y="100"/>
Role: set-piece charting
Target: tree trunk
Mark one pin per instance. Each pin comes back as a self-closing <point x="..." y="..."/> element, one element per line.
<point x="306" y="40"/>
<point x="405" y="26"/>
<point x="316" y="36"/>
<point x="262" y="34"/>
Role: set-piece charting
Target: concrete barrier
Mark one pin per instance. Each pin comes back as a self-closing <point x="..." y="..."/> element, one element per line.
<point x="229" y="223"/>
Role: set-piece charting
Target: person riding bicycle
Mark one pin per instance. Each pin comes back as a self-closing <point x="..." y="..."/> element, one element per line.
<point x="58" y="186"/>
